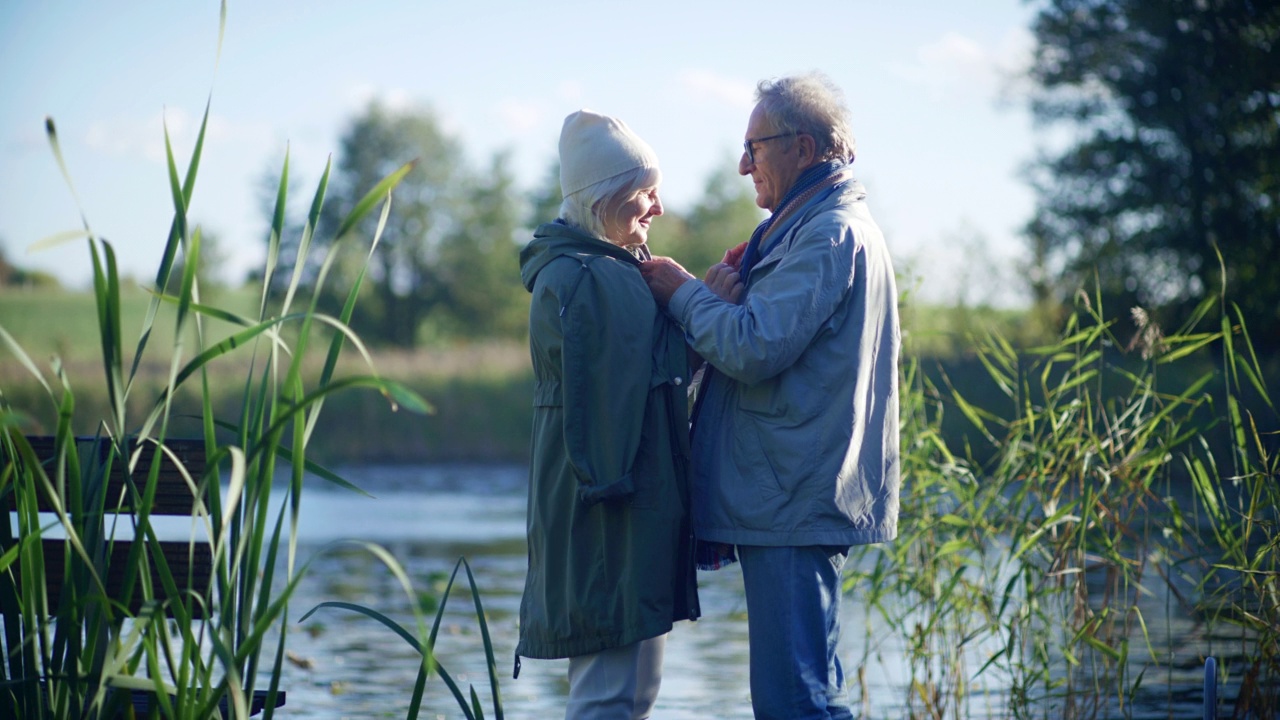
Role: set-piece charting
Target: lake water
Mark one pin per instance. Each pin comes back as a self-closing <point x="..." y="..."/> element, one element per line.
<point x="349" y="666"/>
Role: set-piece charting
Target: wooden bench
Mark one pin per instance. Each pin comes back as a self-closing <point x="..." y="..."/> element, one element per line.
<point x="190" y="563"/>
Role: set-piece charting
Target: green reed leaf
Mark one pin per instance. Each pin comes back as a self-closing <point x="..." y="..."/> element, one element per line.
<point x="953" y="546"/>
<point x="23" y="359"/>
<point x="1186" y="345"/>
<point x="373" y="197"/>
<point x="488" y="648"/>
<point x="56" y="239"/>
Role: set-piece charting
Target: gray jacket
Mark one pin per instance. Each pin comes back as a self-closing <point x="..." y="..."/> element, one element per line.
<point x="796" y="437"/>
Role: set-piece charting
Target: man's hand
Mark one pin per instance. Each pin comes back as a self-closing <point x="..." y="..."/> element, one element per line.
<point x="723" y="280"/>
<point x="664" y="277"/>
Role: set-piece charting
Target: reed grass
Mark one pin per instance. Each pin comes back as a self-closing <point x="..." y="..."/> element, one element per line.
<point x="79" y="654"/>
<point x="1016" y="584"/>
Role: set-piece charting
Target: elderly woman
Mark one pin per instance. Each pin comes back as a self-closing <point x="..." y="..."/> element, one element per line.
<point x="611" y="562"/>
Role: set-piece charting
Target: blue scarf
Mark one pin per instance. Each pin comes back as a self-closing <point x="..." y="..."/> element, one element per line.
<point x="810" y="183"/>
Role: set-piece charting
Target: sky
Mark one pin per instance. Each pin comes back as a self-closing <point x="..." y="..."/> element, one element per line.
<point x="942" y="125"/>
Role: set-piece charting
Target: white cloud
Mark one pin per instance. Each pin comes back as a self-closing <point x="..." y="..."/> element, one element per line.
<point x="357" y="97"/>
<point x="129" y="137"/>
<point x="570" y="91"/>
<point x="957" y="67"/>
<point x="1013" y="59"/>
<point x="736" y="93"/>
<point x="519" y="117"/>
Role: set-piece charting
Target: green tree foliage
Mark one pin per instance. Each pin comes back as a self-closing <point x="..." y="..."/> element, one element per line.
<point x="445" y="263"/>
<point x="1176" y="158"/>
<point x="480" y="262"/>
<point x="13" y="276"/>
<point x="724" y="217"/>
<point x="406" y="284"/>
<point x="544" y="201"/>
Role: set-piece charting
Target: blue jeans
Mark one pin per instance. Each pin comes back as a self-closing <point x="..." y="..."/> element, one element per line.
<point x="793" y="626"/>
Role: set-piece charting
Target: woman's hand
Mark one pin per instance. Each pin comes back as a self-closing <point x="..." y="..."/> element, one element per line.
<point x="733" y="256"/>
<point x="664" y="276"/>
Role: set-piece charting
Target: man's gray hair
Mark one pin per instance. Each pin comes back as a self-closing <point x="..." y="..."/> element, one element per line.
<point x="585" y="209"/>
<point x="809" y="104"/>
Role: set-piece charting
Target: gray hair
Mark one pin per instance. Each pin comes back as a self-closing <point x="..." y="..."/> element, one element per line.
<point x="586" y="209"/>
<point x="809" y="104"/>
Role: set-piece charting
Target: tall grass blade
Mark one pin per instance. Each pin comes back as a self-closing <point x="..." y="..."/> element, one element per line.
<point x="372" y="198"/>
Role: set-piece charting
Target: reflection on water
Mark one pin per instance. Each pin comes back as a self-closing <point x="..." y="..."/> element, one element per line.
<point x="428" y="518"/>
<point x="349" y="666"/>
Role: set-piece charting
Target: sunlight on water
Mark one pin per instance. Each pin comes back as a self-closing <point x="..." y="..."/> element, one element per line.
<point x="345" y="665"/>
<point x="428" y="519"/>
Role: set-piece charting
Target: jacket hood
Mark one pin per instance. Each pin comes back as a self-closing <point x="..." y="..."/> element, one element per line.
<point x="555" y="239"/>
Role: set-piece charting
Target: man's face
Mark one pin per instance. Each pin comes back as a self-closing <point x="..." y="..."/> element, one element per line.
<point x="777" y="162"/>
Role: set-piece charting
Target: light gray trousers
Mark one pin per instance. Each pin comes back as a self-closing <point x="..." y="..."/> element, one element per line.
<point x="616" y="684"/>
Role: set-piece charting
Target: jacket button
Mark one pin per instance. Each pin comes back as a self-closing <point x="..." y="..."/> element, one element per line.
<point x="678" y="381"/>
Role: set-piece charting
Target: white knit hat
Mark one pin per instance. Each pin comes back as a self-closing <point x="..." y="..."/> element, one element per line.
<point x="595" y="147"/>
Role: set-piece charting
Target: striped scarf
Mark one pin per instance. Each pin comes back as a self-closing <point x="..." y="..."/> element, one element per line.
<point x="811" y="182"/>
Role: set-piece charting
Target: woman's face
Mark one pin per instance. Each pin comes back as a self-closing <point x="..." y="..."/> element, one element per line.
<point x="627" y="224"/>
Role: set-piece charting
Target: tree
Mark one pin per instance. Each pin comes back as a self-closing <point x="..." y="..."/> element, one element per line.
<point x="723" y="217"/>
<point x="544" y="201"/>
<point x="480" y="261"/>
<point x="1177" y="156"/>
<point x="404" y="283"/>
<point x="13" y="276"/>
<point x="446" y="253"/>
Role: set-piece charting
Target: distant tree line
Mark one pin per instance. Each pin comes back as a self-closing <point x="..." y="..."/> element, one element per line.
<point x="447" y="263"/>
<point x="12" y="276"/>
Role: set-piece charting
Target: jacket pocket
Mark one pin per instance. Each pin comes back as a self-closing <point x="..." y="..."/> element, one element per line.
<point x="776" y="456"/>
<point x="762" y="399"/>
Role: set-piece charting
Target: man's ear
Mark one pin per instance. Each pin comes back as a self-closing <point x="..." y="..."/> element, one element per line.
<point x="807" y="152"/>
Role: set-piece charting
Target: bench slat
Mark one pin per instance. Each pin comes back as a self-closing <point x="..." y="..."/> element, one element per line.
<point x="173" y="498"/>
<point x="190" y="564"/>
<point x="173" y="494"/>
<point x="184" y="560"/>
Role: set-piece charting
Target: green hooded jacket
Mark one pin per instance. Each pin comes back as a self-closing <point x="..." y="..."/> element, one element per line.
<point x="611" y="557"/>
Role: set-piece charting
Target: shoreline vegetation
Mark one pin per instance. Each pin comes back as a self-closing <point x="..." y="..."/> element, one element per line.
<point x="480" y="389"/>
<point x="75" y="648"/>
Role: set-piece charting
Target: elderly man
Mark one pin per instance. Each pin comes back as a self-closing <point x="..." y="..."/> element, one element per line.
<point x="795" y="432"/>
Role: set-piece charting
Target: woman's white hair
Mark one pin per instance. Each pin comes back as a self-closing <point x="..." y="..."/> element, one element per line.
<point x="809" y="104"/>
<point x="588" y="208"/>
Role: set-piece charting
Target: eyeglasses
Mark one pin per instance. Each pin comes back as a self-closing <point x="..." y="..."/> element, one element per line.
<point x="749" y="142"/>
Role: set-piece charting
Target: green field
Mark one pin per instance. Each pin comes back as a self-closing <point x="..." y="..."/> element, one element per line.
<point x="52" y="321"/>
<point x="480" y="390"/>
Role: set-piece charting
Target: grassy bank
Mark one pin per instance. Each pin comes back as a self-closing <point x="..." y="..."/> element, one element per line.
<point x="480" y="391"/>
